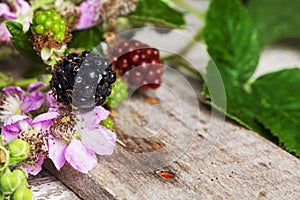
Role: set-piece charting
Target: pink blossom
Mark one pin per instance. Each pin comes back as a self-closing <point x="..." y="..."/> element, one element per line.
<point x="89" y="14"/>
<point x="88" y="139"/>
<point x="32" y="131"/>
<point x="16" y="101"/>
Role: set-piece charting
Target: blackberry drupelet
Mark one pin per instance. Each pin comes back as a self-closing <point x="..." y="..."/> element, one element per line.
<point x="138" y="64"/>
<point x="84" y="80"/>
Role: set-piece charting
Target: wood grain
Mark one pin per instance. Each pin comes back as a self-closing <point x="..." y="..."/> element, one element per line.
<point x="44" y="186"/>
<point x="186" y="151"/>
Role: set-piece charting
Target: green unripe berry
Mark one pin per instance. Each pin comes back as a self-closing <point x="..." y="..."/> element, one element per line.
<point x="40" y="18"/>
<point x="59" y="36"/>
<point x="63" y="22"/>
<point x="118" y="94"/>
<point x="108" y="123"/>
<point x="49" y="12"/>
<point x="62" y="28"/>
<point x="47" y="24"/>
<point x="56" y="28"/>
<point x="9" y="182"/>
<point x="39" y="29"/>
<point x="22" y="193"/>
<point x="18" y="151"/>
<point x="55" y="17"/>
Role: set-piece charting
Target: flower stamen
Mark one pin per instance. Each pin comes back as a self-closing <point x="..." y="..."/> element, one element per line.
<point x="36" y="141"/>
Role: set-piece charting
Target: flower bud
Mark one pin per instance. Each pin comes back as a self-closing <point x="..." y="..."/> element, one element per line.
<point x="22" y="193"/>
<point x="10" y="181"/>
<point x="20" y="173"/>
<point x="4" y="158"/>
<point x="18" y="150"/>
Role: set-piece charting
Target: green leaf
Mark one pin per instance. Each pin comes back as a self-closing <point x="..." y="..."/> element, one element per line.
<point x="232" y="40"/>
<point x="21" y="41"/>
<point x="275" y="20"/>
<point x="279" y="98"/>
<point x="159" y="13"/>
<point x="233" y="46"/>
<point x="87" y="39"/>
<point x="271" y="104"/>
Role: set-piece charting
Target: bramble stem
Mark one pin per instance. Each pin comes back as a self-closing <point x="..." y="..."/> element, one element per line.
<point x="20" y="83"/>
<point x="177" y="59"/>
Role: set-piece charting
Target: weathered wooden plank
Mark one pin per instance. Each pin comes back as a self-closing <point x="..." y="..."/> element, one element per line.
<point x="47" y="187"/>
<point x="201" y="157"/>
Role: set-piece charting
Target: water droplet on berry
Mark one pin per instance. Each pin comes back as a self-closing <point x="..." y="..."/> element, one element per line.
<point x="78" y="79"/>
<point x="98" y="62"/>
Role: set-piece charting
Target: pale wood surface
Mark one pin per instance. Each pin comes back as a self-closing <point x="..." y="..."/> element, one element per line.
<point x="233" y="163"/>
<point x="45" y="186"/>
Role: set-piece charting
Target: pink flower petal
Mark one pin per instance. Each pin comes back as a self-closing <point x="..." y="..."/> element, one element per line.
<point x="93" y="118"/>
<point x="34" y="87"/>
<point x="34" y="170"/>
<point x="43" y="121"/>
<point x="8" y="135"/>
<point x="57" y="149"/>
<point x="101" y="140"/>
<point x="4" y="33"/>
<point x="33" y="102"/>
<point x="22" y="7"/>
<point x="52" y="102"/>
<point x="80" y="157"/>
<point x="17" y="122"/>
<point x="88" y="14"/>
<point x="6" y="13"/>
<point x="14" y="91"/>
<point x="13" y="125"/>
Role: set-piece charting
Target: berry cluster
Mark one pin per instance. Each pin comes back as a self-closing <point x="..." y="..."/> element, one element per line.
<point x="49" y="22"/>
<point x="118" y="94"/>
<point x="139" y="64"/>
<point x="13" y="180"/>
<point x="84" y="80"/>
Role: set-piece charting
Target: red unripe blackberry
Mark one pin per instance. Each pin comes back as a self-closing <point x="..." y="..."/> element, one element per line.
<point x="138" y="64"/>
<point x="84" y="80"/>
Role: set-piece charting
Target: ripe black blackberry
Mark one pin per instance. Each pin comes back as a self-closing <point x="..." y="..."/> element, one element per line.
<point x="84" y="80"/>
<point x="137" y="63"/>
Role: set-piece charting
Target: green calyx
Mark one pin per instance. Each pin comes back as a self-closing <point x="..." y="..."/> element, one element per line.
<point x="50" y="22"/>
